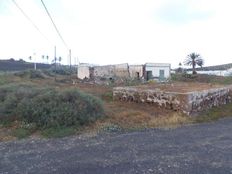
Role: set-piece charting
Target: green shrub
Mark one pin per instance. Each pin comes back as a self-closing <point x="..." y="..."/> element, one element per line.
<point x="10" y="96"/>
<point x="48" y="107"/>
<point x="32" y="74"/>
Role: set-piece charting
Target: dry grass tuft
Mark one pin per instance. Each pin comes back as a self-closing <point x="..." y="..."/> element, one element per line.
<point x="174" y="120"/>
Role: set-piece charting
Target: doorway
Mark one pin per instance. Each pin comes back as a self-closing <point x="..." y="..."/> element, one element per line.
<point x="161" y="75"/>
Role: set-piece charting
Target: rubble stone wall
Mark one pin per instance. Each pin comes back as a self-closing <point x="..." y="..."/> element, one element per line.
<point x="189" y="102"/>
<point x="110" y="71"/>
<point x="136" y="71"/>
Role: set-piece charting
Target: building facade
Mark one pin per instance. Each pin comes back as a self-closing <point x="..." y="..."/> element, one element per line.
<point x="148" y="71"/>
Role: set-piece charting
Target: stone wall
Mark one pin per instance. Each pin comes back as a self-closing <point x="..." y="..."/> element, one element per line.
<point x="107" y="71"/>
<point x="122" y="70"/>
<point x="110" y="71"/>
<point x="205" y="99"/>
<point x="188" y="103"/>
<point x="136" y="71"/>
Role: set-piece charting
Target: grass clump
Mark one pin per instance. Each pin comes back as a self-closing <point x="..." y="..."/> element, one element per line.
<point x="58" y="132"/>
<point x="21" y="133"/>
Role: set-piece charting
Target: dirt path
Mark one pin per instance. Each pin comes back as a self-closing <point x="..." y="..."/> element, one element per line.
<point x="204" y="148"/>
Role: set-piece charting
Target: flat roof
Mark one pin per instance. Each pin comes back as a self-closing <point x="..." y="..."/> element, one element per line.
<point x="158" y="64"/>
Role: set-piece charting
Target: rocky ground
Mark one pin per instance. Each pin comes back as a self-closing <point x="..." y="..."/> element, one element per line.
<point x="202" y="148"/>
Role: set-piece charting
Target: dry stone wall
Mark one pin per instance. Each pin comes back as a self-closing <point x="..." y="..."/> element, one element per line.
<point x="189" y="102"/>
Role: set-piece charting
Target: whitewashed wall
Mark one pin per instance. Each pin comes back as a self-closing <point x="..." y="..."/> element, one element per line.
<point x="156" y="67"/>
<point x="217" y="73"/>
<point x="83" y="72"/>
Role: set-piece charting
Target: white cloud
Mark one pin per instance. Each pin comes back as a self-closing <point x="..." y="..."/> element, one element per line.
<point x="134" y="31"/>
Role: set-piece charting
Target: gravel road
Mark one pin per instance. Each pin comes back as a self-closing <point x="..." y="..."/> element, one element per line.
<point x="202" y="148"/>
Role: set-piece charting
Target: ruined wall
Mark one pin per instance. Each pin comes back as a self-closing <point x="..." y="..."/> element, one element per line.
<point x="190" y="102"/>
<point x="136" y="71"/>
<point x="110" y="71"/>
<point x="122" y="70"/>
<point x="107" y="71"/>
<point x="83" y="72"/>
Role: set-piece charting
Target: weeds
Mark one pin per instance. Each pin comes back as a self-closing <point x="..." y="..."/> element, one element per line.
<point x="214" y="114"/>
<point x="21" y="133"/>
<point x="58" y="132"/>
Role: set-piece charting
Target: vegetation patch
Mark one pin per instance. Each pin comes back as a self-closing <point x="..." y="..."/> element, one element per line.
<point x="214" y="114"/>
<point x="203" y="78"/>
<point x="32" y="74"/>
<point x="58" y="132"/>
<point x="48" y="107"/>
<point x="21" y="133"/>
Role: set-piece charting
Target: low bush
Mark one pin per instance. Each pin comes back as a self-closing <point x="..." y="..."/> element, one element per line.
<point x="48" y="107"/>
<point x="32" y="74"/>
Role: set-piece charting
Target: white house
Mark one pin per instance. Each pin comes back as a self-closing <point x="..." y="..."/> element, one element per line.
<point x="157" y="71"/>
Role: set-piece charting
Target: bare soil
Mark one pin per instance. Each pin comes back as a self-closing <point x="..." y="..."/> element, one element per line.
<point x="123" y="114"/>
<point x="182" y="87"/>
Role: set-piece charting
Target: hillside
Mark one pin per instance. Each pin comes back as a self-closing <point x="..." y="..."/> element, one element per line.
<point x="14" y="65"/>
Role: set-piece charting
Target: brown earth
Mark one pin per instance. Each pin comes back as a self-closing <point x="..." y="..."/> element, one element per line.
<point x="180" y="86"/>
<point x="125" y="115"/>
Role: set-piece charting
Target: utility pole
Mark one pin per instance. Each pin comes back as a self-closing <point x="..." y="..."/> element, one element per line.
<point x="34" y="55"/>
<point x="70" y="57"/>
<point x="55" y="60"/>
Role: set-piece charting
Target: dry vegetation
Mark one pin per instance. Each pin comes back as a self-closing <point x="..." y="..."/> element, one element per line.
<point x="119" y="115"/>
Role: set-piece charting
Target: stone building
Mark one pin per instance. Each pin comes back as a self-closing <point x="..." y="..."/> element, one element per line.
<point x="149" y="71"/>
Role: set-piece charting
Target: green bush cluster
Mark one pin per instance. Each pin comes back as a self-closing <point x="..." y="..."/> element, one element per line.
<point x="32" y="74"/>
<point x="48" y="107"/>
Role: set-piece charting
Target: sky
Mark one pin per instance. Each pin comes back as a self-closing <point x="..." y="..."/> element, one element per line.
<point x="118" y="31"/>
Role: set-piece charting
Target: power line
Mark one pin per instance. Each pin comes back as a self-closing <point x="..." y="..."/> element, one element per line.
<point x="29" y="19"/>
<point x="54" y="24"/>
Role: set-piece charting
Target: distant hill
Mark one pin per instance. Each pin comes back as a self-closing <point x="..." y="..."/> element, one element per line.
<point x="19" y="65"/>
<point x="214" y="68"/>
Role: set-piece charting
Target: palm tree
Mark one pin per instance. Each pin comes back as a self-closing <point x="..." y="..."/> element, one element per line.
<point x="60" y="58"/>
<point x="47" y="57"/>
<point x="194" y="59"/>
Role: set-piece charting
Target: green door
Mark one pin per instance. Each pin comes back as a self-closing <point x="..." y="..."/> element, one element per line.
<point x="161" y="75"/>
<point x="149" y="75"/>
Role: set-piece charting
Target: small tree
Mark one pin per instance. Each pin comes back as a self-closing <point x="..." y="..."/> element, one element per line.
<point x="47" y="57"/>
<point x="193" y="60"/>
